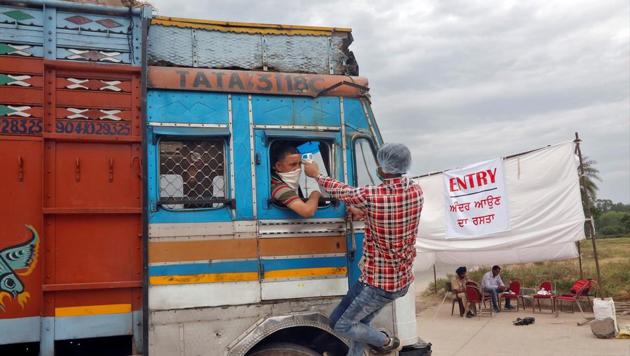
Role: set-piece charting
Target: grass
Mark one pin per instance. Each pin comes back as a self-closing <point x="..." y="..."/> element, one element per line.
<point x="614" y="262"/>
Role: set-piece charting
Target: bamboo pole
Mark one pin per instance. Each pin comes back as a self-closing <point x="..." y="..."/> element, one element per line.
<point x="435" y="287"/>
<point x="577" y="243"/>
<point x="589" y="218"/>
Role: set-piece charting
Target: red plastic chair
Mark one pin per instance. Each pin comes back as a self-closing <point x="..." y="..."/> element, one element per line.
<point x="548" y="286"/>
<point x="474" y="295"/>
<point x="486" y="296"/>
<point x="580" y="288"/>
<point x="514" y="293"/>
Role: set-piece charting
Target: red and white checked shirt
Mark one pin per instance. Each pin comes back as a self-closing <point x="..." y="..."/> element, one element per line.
<point x="391" y="225"/>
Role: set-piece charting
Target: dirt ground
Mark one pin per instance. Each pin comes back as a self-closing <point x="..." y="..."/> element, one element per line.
<point x="489" y="336"/>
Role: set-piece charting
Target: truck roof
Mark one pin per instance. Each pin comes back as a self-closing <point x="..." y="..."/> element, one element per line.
<point x="248" y="27"/>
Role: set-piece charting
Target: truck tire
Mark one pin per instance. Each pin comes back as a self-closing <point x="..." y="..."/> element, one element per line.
<point x="283" y="349"/>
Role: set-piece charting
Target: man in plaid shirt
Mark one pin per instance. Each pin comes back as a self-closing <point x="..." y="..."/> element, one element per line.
<point x="392" y="214"/>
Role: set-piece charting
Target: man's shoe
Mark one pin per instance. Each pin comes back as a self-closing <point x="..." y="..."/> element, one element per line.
<point x="509" y="307"/>
<point x="495" y="310"/>
<point x="469" y="315"/>
<point x="392" y="345"/>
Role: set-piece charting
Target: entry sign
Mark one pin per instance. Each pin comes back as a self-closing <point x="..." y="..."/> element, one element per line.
<point x="476" y="203"/>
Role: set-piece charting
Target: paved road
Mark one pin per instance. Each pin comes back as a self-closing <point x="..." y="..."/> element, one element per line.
<point x="490" y="336"/>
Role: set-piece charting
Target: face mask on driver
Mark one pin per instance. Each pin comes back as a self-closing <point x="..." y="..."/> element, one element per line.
<point x="292" y="178"/>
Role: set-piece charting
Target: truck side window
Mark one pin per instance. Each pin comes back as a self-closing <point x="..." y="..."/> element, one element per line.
<point x="365" y="162"/>
<point x="306" y="185"/>
<point x="192" y="173"/>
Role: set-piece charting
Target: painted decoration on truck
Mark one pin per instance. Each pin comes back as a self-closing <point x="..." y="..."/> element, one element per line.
<point x="12" y="49"/>
<point x="18" y="80"/>
<point x="87" y="84"/>
<point x="17" y="15"/>
<point x="93" y="55"/>
<point x="82" y="20"/>
<point x="15" y="261"/>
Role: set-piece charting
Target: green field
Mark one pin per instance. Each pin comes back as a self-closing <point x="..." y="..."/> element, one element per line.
<point x="614" y="260"/>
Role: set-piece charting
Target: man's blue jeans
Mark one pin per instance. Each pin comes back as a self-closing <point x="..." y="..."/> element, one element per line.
<point x="352" y="317"/>
<point x="494" y="294"/>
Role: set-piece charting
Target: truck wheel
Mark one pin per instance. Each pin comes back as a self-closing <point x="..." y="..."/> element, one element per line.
<point x="283" y="349"/>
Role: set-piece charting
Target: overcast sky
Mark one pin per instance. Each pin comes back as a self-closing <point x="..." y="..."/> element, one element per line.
<point x="461" y="81"/>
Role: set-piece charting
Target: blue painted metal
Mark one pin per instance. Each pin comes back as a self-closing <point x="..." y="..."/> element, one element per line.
<point x="271" y="134"/>
<point x="50" y="32"/>
<point x="19" y="330"/>
<point x="206" y="267"/>
<point x="187" y="107"/>
<point x="47" y="340"/>
<point x="92" y="22"/>
<point x="85" y="7"/>
<point x="272" y="110"/>
<point x="21" y="16"/>
<point x="137" y="326"/>
<point x="243" y="190"/>
<point x="353" y="261"/>
<point x="295" y="263"/>
<point x="57" y="30"/>
<point x="187" y="131"/>
<point x="355" y="117"/>
<point x="68" y="39"/>
<point x="78" y="327"/>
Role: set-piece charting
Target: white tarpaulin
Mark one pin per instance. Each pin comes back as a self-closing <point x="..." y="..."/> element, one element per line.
<point x="545" y="214"/>
<point x="475" y="200"/>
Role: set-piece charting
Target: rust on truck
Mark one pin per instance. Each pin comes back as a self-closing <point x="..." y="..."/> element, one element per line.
<point x="252" y="82"/>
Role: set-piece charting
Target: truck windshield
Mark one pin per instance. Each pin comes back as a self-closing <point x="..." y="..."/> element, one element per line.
<point x="365" y="162"/>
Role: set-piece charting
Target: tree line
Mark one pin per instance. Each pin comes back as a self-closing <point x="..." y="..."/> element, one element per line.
<point x="611" y="219"/>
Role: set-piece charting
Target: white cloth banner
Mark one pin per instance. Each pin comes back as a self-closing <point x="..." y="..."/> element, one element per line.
<point x="475" y="200"/>
<point x="545" y="214"/>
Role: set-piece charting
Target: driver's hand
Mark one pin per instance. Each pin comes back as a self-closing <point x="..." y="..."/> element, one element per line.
<point x="311" y="169"/>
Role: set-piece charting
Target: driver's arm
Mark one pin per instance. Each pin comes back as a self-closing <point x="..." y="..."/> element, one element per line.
<point x="305" y="209"/>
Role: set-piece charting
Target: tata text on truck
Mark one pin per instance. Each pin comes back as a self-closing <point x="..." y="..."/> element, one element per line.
<point x="229" y="270"/>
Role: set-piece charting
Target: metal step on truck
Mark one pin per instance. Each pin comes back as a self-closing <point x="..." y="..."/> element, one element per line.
<point x="231" y="271"/>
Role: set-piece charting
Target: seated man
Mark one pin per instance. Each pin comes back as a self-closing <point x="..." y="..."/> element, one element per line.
<point x="492" y="284"/>
<point x="286" y="165"/>
<point x="458" y="286"/>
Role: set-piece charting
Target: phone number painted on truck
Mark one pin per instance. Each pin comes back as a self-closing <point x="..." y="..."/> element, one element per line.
<point x="92" y="128"/>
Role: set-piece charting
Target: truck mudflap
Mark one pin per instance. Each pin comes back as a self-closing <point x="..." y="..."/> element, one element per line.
<point x="420" y="348"/>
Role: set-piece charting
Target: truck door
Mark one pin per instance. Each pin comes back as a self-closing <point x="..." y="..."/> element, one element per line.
<point x="299" y="257"/>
